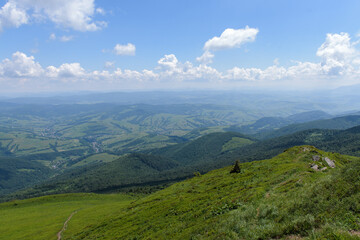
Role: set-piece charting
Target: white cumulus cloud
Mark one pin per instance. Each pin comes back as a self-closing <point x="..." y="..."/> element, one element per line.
<point x="231" y="38"/>
<point x="19" y="66"/>
<point x="76" y="15"/>
<point x="170" y="68"/>
<point x="168" y="62"/>
<point x="128" y="49"/>
<point x="66" y="70"/>
<point x="206" y="58"/>
<point x="12" y="16"/>
<point x="337" y="53"/>
<point x="338" y="64"/>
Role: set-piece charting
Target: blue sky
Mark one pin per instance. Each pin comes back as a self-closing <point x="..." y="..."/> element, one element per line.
<point x="118" y="45"/>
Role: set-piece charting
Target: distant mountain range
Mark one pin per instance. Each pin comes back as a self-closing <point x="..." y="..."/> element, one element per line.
<point x="268" y="124"/>
<point x="333" y="123"/>
<point x="283" y="103"/>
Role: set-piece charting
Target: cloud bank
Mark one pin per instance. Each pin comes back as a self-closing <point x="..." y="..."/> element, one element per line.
<point x="339" y="64"/>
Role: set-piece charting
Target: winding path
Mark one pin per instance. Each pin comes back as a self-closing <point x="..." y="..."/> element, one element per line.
<point x="65" y="225"/>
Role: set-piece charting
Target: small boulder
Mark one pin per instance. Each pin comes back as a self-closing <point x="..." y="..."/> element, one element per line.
<point x="306" y="149"/>
<point x="316" y="158"/>
<point x="315" y="167"/>
<point x="330" y="162"/>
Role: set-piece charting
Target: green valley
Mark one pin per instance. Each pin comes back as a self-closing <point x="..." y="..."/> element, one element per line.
<point x="61" y="137"/>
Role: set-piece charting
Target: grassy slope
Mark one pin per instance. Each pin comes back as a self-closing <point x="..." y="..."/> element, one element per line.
<point x="278" y="198"/>
<point x="204" y="148"/>
<point x="43" y="218"/>
<point x="96" y="158"/>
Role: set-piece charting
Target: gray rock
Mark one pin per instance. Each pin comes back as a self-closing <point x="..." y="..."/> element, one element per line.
<point x="323" y="169"/>
<point x="330" y="162"/>
<point x="316" y="158"/>
<point x="306" y="149"/>
<point x="315" y="167"/>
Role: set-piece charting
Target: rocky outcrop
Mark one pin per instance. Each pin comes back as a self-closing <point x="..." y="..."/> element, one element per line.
<point x="320" y="165"/>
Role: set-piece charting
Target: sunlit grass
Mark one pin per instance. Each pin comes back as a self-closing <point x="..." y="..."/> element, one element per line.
<point x="43" y="218"/>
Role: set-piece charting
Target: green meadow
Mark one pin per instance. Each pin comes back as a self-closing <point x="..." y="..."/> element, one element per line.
<point x="44" y="217"/>
<point x="280" y="198"/>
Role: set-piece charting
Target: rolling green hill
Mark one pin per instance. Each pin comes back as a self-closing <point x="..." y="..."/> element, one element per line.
<point x="269" y="124"/>
<point x="133" y="172"/>
<point x="333" y="123"/>
<point x="17" y="173"/>
<point x="68" y="132"/>
<point x="204" y="148"/>
<point x="342" y="141"/>
<point x="142" y="171"/>
<point x="285" y="197"/>
<point x="130" y="170"/>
